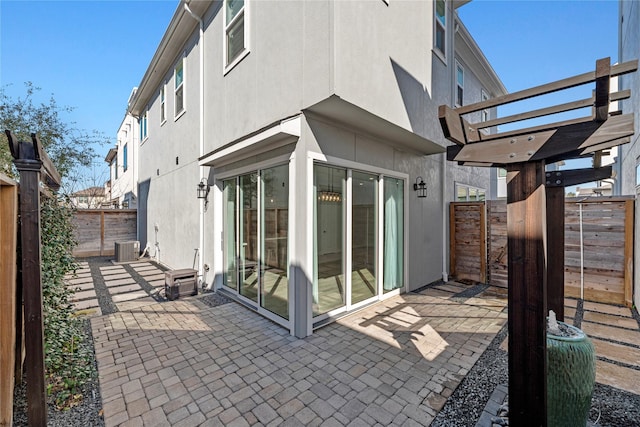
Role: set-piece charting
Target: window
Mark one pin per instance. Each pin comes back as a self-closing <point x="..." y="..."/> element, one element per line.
<point x="143" y="126"/>
<point x="235" y="31"/>
<point x="459" y="84"/>
<point x="163" y="105"/>
<point x="467" y="193"/>
<point x="179" y="88"/>
<point x="485" y="113"/>
<point x="440" y="26"/>
<point x="256" y="237"/>
<point x="125" y="163"/>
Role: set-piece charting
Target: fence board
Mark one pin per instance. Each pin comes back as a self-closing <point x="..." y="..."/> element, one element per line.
<point x="97" y="230"/>
<point x="8" y="299"/>
<point x="468" y="241"/>
<point x="607" y="246"/>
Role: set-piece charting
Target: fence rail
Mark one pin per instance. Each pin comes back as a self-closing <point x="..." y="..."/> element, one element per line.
<point x="598" y="264"/>
<point x="97" y="230"/>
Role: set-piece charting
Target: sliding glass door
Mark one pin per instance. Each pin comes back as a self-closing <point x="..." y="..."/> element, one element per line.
<point x="255" y="237"/>
<point x="393" y="266"/>
<point x="328" y="284"/>
<point x="358" y="238"/>
<point x="364" y="220"/>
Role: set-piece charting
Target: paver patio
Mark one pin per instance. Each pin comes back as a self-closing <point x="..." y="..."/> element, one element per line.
<point x="184" y="363"/>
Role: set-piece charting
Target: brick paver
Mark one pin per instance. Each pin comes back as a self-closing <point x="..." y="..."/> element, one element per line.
<point x="394" y="362"/>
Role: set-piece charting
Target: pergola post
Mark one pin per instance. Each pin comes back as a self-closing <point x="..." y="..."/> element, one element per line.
<point x="527" y="235"/>
<point x="555" y="250"/>
<point x="32" y="288"/>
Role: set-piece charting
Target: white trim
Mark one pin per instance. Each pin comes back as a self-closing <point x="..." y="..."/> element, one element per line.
<point x="442" y="54"/>
<point x="457" y="85"/>
<point x="163" y="103"/>
<point x="348" y="236"/>
<point x="245" y="14"/>
<point x="182" y="61"/>
<point x="280" y="160"/>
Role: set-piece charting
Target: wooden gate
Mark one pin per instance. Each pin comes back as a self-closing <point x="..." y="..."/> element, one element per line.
<point x="468" y="243"/>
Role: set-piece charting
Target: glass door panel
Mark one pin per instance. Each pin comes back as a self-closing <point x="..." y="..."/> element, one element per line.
<point x="274" y="240"/>
<point x="248" y="236"/>
<point x="393" y="234"/>
<point x="229" y="237"/>
<point x="328" y="284"/>
<point x="363" y="237"/>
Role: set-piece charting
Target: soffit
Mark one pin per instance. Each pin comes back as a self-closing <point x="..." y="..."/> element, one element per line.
<point x="338" y="110"/>
<point x="173" y="42"/>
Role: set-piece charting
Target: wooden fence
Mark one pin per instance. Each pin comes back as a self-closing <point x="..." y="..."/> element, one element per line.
<point x="598" y="262"/>
<point x="97" y="230"/>
<point x="9" y="341"/>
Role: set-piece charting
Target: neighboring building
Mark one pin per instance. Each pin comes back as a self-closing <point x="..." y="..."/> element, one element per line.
<point x="311" y="122"/>
<point x="123" y="163"/>
<point x="89" y="198"/>
<point x="629" y="158"/>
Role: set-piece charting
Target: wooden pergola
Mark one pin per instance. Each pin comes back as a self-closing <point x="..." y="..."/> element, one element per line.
<point x="535" y="208"/>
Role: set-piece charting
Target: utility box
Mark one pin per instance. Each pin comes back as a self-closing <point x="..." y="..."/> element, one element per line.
<point x="179" y="283"/>
<point x="127" y="251"/>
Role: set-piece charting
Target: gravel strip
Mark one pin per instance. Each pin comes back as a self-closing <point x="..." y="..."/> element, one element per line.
<point x="609" y="406"/>
<point x="87" y="413"/>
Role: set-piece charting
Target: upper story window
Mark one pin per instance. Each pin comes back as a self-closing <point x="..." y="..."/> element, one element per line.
<point x="143" y="126"/>
<point x="459" y="84"/>
<point x="125" y="161"/>
<point x="179" y="87"/>
<point x="484" y="96"/>
<point x="440" y="26"/>
<point x="163" y="104"/>
<point x="235" y="32"/>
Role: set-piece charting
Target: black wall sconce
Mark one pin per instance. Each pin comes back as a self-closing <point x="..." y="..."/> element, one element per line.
<point x="421" y="187"/>
<point x="203" y="189"/>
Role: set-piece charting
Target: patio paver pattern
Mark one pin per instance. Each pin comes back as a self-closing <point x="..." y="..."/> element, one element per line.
<point x="184" y="363"/>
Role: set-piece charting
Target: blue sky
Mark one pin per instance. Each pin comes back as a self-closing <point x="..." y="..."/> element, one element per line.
<point x="90" y="54"/>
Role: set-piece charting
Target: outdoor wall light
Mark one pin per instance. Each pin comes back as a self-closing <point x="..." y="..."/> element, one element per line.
<point x="420" y="186"/>
<point x="203" y="189"/>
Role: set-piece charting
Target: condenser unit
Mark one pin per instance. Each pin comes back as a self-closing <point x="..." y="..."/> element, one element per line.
<point x="127" y="251"/>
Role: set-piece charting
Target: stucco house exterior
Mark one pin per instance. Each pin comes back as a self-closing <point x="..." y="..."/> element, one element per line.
<point x="123" y="163"/>
<point x="629" y="154"/>
<point x="314" y="126"/>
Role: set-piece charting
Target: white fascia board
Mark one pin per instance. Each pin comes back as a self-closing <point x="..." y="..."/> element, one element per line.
<point x="283" y="133"/>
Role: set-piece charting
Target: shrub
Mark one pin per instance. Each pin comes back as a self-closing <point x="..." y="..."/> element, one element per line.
<point x="68" y="357"/>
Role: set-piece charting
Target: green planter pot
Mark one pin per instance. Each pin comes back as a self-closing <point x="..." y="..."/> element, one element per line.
<point x="571" y="376"/>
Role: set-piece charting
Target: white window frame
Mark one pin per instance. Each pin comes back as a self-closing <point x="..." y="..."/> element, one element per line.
<point x="163" y="103"/>
<point x="438" y="24"/>
<point x="468" y="189"/>
<point x="125" y="157"/>
<point x="178" y="113"/>
<point x="485" y="114"/>
<point x="144" y="125"/>
<point x="459" y="86"/>
<point x="242" y="14"/>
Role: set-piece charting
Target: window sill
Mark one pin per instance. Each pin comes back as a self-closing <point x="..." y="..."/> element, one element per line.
<point x="439" y="55"/>
<point x="163" y="122"/>
<point x="180" y="114"/>
<point x="145" y="139"/>
<point x="235" y="62"/>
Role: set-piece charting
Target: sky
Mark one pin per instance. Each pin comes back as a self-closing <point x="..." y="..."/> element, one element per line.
<point x="90" y="54"/>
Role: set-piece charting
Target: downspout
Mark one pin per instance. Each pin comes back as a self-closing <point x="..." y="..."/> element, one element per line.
<point x="201" y="171"/>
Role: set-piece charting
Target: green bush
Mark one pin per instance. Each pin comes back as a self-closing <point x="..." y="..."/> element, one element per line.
<point x="68" y="357"/>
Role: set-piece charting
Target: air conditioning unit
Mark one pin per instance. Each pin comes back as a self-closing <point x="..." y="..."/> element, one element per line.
<point x="127" y="251"/>
<point x="179" y="283"/>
